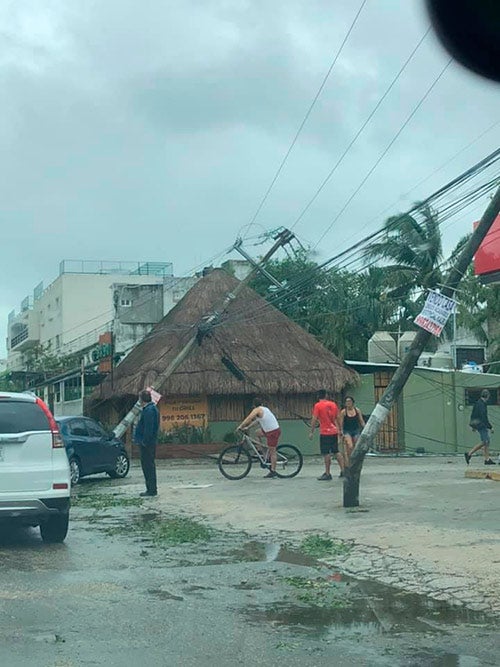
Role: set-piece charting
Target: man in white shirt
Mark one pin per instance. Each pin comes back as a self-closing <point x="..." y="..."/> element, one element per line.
<point x="269" y="428"/>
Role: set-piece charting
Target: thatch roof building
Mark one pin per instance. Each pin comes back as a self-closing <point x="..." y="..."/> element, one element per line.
<point x="255" y="349"/>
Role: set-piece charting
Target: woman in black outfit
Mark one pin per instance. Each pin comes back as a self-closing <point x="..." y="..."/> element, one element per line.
<point x="352" y="423"/>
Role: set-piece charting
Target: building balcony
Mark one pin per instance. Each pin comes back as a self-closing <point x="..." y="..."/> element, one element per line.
<point x="23" y="341"/>
<point x="24" y="331"/>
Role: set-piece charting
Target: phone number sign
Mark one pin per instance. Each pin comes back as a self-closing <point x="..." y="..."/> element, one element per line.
<point x="175" y="412"/>
<point x="435" y="313"/>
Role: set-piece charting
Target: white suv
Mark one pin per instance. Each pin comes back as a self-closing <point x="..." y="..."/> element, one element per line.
<point x="34" y="469"/>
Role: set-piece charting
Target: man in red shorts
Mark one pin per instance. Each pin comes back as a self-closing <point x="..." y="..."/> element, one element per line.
<point x="269" y="427"/>
<point x="326" y="414"/>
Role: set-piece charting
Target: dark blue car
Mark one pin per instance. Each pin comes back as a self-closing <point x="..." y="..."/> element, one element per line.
<point x="91" y="449"/>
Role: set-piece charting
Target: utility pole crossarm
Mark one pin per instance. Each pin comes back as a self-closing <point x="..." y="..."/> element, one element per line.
<point x="204" y="328"/>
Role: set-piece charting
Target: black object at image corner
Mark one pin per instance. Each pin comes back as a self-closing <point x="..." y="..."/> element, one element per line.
<point x="469" y="30"/>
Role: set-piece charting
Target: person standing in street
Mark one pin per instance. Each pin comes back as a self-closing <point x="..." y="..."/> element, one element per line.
<point x="351" y="423"/>
<point x="146" y="436"/>
<point x="269" y="428"/>
<point x="479" y="422"/>
<point x="326" y="414"/>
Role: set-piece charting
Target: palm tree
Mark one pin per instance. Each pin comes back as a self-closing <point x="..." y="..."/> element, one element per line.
<point x="411" y="252"/>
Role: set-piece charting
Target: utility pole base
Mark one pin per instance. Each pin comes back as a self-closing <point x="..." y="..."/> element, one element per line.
<point x="351" y="489"/>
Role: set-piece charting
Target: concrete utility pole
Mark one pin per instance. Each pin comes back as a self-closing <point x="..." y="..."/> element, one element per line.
<point x="204" y="328"/>
<point x="395" y="386"/>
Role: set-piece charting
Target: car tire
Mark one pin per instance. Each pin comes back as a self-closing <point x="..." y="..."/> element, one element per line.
<point x="75" y="471"/>
<point x="122" y="466"/>
<point x="55" y="528"/>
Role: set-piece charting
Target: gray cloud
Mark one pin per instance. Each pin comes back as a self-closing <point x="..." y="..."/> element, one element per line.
<point x="151" y="130"/>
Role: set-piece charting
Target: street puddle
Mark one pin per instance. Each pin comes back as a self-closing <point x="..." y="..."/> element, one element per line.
<point x="270" y="552"/>
<point x="337" y="606"/>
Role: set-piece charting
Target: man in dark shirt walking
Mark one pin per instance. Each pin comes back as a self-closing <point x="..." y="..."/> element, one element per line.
<point x="146" y="435"/>
<point x="479" y="422"/>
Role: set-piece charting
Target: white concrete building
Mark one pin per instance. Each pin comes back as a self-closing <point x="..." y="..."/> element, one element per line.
<point x="97" y="311"/>
<point x="69" y="314"/>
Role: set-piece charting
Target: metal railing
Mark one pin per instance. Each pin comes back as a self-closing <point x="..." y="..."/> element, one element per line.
<point x="19" y="338"/>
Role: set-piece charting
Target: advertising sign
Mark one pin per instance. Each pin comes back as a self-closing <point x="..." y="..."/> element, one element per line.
<point x="176" y="412"/>
<point x="103" y="352"/>
<point x="435" y="313"/>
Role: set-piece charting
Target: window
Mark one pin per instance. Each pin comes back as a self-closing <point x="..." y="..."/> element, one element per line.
<point x="77" y="427"/>
<point x="473" y="394"/>
<point x="94" y="429"/>
<point x="21" y="416"/>
<point x="126" y="303"/>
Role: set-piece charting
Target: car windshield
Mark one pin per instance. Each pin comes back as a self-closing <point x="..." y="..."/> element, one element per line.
<point x="21" y="416"/>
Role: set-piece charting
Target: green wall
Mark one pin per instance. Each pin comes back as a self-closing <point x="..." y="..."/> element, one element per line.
<point x="434" y="416"/>
<point x="429" y="412"/>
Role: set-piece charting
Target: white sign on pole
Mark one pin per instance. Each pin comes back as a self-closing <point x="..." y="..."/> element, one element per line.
<point x="435" y="313"/>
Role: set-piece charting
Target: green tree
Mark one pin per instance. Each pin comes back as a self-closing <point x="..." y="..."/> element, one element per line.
<point x="39" y="360"/>
<point x="341" y="308"/>
<point x="410" y="252"/>
<point x="7" y="383"/>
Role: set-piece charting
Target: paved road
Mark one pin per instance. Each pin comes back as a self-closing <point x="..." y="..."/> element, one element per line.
<point x="127" y="589"/>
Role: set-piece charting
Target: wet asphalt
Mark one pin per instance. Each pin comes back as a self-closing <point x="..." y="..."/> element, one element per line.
<point x="120" y="592"/>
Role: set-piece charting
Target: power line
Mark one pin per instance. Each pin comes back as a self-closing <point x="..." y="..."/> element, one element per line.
<point x="360" y="130"/>
<point x="300" y="282"/>
<point x="433" y="173"/>
<point x="306" y="117"/>
<point x="386" y="150"/>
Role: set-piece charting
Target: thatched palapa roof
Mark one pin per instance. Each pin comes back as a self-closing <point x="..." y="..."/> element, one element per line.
<point x="276" y="355"/>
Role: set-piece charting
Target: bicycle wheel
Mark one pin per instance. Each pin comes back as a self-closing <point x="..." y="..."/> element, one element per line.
<point x="234" y="462"/>
<point x="289" y="461"/>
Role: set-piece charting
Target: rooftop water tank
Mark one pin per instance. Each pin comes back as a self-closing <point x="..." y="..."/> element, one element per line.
<point x="404" y="342"/>
<point x="382" y="348"/>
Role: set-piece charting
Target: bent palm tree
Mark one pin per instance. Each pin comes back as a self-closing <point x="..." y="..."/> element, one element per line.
<point x="411" y="252"/>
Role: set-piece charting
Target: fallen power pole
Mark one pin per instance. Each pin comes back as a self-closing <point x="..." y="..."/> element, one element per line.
<point x="400" y="377"/>
<point x="205" y="326"/>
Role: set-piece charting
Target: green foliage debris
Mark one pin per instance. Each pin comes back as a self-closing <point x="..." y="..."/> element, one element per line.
<point x="320" y="546"/>
<point x="318" y="592"/>
<point x="103" y="501"/>
<point x="175" y="530"/>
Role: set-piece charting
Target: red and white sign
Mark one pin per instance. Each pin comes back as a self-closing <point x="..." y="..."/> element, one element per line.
<point x="155" y="396"/>
<point x="435" y="313"/>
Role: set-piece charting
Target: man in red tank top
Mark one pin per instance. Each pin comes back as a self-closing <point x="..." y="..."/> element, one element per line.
<point x="326" y="414"/>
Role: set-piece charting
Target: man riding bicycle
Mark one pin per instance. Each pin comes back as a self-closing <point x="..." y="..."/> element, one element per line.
<point x="269" y="428"/>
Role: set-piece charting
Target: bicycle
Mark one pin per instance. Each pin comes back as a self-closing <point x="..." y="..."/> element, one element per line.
<point x="236" y="460"/>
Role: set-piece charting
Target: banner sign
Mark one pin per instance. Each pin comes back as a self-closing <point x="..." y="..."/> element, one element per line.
<point x="175" y="412"/>
<point x="435" y="313"/>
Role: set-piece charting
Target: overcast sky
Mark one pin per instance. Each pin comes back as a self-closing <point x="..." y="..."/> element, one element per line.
<point x="150" y="130"/>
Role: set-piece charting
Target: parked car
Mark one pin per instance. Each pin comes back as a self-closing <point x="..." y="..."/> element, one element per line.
<point x="34" y="471"/>
<point x="91" y="449"/>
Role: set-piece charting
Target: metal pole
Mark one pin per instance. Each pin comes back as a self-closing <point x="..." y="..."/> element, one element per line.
<point x="82" y="382"/>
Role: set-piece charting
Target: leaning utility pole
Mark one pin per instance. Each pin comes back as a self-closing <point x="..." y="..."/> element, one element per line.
<point x="395" y="386"/>
<point x="204" y="328"/>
